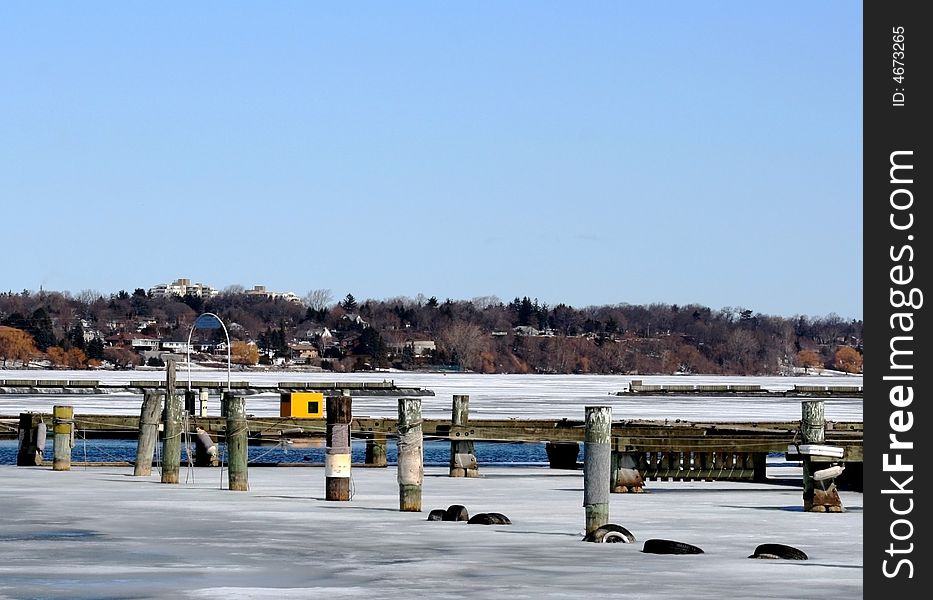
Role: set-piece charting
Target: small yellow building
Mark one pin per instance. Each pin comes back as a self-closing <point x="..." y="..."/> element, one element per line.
<point x="308" y="405"/>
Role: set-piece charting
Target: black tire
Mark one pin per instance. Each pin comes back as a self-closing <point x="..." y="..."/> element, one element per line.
<point x="655" y="546"/>
<point x="779" y="551"/>
<point x="610" y="533"/>
<point x="456" y="512"/>
<point x="436" y="515"/>
<point x="489" y="519"/>
<point x="500" y="518"/>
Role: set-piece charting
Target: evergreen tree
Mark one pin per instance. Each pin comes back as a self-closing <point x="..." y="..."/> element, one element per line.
<point x="76" y="337"/>
<point x="349" y="303"/>
<point x="95" y="349"/>
<point x="40" y="326"/>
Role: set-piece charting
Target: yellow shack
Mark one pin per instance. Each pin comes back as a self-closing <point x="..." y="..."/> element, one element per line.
<point x="309" y="405"/>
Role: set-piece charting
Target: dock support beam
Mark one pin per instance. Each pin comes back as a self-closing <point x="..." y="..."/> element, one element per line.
<point x="410" y="455"/>
<point x="31" y="440"/>
<point x="148" y="433"/>
<point x="596" y="463"/>
<point x="237" y="442"/>
<point x="462" y="453"/>
<point x="818" y="496"/>
<point x="63" y="423"/>
<point x="338" y="451"/>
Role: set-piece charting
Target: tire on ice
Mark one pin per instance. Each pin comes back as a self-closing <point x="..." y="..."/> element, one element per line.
<point x="610" y="533"/>
<point x="492" y="518"/>
<point x="779" y="551"/>
<point x="456" y="512"/>
<point x="656" y="546"/>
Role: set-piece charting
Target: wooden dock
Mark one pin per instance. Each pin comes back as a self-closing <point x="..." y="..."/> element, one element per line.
<point x="92" y="386"/>
<point x="665" y="450"/>
<point x="637" y="388"/>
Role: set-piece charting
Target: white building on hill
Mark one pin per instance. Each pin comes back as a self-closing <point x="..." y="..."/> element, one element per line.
<point x="182" y="287"/>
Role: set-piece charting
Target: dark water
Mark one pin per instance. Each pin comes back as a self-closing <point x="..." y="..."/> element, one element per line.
<point x="436" y="453"/>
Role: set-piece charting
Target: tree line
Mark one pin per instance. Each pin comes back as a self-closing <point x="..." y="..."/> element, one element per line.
<point x="484" y="334"/>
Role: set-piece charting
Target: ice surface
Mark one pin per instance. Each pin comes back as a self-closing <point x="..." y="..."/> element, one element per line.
<point x="491" y="396"/>
<point x="101" y="533"/>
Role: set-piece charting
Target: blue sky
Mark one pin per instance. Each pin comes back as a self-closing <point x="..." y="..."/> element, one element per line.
<point x="588" y="153"/>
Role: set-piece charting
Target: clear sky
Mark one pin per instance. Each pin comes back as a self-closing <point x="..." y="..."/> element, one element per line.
<point x="580" y="152"/>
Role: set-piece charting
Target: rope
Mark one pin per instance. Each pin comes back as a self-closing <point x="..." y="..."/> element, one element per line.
<point x="189" y="472"/>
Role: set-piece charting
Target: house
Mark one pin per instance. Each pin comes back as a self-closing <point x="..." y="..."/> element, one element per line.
<point x="416" y="347"/>
<point x="262" y="292"/>
<point x="135" y="341"/>
<point x="526" y="330"/>
<point x="355" y="319"/>
<point x="323" y="337"/>
<point x="303" y="352"/>
<point x="180" y="347"/>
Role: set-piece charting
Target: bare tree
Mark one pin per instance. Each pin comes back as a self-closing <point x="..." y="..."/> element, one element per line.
<point x="318" y="299"/>
<point x="466" y="342"/>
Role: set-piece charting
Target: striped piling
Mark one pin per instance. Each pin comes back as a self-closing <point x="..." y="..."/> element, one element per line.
<point x="337" y="451"/>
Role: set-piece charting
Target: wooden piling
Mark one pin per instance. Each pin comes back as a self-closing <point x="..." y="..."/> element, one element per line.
<point x="410" y="455"/>
<point x="337" y="451"/>
<point x="203" y="408"/>
<point x="63" y="428"/>
<point x="148" y="433"/>
<point x="819" y="496"/>
<point x="596" y="465"/>
<point x="171" y="439"/>
<point x="237" y="442"/>
<point x="462" y="453"/>
<point x="32" y="432"/>
<point x="375" y="449"/>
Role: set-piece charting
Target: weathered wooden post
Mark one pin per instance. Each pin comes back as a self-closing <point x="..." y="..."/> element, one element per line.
<point x="819" y="493"/>
<point x="462" y="454"/>
<point x="31" y="440"/>
<point x="410" y="455"/>
<point x="337" y="451"/>
<point x="376" y="449"/>
<point x="237" y="441"/>
<point x="203" y="408"/>
<point x="148" y="433"/>
<point x="171" y="442"/>
<point x="596" y="459"/>
<point x="63" y="425"/>
<point x="760" y="467"/>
